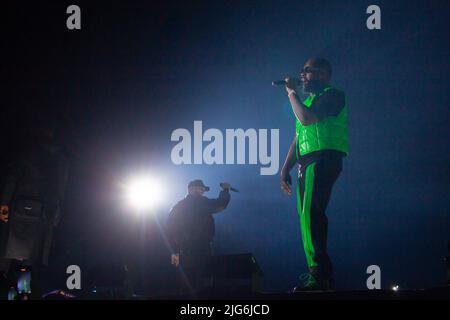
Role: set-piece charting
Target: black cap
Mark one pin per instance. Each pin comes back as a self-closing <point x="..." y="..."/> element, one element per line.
<point x="198" y="183"/>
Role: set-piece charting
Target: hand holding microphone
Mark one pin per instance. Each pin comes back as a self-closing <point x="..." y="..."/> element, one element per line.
<point x="227" y="186"/>
<point x="291" y="84"/>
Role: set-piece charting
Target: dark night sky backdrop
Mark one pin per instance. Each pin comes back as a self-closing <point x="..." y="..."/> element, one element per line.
<point x="138" y="70"/>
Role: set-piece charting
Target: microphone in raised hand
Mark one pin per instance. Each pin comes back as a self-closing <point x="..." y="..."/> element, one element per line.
<point x="226" y="185"/>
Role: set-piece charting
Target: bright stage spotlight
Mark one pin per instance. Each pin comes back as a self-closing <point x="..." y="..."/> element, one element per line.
<point x="144" y="193"/>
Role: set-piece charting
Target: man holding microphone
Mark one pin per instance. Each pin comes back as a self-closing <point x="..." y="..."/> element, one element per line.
<point x="191" y="231"/>
<point x="319" y="144"/>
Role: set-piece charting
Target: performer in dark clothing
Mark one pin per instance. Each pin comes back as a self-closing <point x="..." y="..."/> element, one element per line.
<point x="31" y="198"/>
<point x="191" y="230"/>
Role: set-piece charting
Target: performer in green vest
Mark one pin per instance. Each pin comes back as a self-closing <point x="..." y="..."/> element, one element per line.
<point x="320" y="143"/>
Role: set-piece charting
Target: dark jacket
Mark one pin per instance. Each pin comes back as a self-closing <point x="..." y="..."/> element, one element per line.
<point x="191" y="220"/>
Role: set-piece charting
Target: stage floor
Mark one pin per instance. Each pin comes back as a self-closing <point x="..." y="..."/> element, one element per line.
<point x="441" y="293"/>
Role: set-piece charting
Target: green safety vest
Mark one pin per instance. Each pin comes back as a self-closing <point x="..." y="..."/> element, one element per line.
<point x="330" y="133"/>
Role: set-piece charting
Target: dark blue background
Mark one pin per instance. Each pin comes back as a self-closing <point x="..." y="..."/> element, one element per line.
<point x="139" y="70"/>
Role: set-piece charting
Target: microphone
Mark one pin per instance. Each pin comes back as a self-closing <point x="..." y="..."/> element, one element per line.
<point x="277" y="83"/>
<point x="231" y="188"/>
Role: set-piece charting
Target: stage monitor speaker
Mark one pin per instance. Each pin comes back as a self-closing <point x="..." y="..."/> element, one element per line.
<point x="239" y="272"/>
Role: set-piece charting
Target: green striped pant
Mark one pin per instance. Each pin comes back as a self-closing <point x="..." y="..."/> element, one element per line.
<point x="314" y="186"/>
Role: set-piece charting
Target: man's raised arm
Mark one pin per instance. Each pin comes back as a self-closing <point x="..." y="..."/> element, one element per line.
<point x="219" y="204"/>
<point x="302" y="113"/>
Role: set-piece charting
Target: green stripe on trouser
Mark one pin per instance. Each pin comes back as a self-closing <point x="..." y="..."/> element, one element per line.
<point x="305" y="213"/>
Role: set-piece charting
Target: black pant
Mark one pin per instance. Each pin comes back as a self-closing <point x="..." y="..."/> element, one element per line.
<point x="314" y="186"/>
<point x="194" y="257"/>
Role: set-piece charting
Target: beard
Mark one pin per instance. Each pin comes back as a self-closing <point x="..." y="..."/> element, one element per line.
<point x="312" y="86"/>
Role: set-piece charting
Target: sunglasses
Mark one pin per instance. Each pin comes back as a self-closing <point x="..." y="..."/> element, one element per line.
<point x="310" y="70"/>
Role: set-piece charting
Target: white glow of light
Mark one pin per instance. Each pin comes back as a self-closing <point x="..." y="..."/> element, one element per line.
<point x="395" y="288"/>
<point x="144" y="193"/>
